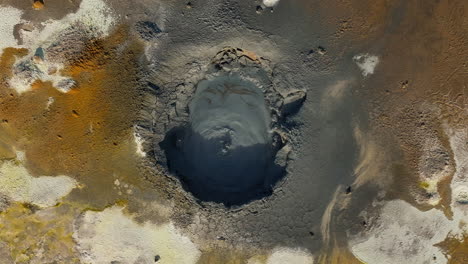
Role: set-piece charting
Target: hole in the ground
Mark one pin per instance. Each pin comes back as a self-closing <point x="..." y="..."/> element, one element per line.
<point x="225" y="153"/>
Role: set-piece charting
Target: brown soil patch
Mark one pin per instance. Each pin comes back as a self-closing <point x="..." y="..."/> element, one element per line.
<point x="419" y="85"/>
<point x="456" y="249"/>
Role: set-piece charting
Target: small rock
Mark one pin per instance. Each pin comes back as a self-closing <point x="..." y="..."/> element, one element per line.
<point x="147" y="30"/>
<point x="39" y="53"/>
<point x="154" y="88"/>
<point x="321" y="50"/>
<point x="282" y="156"/>
<point x="293" y="102"/>
<point x="259" y="9"/>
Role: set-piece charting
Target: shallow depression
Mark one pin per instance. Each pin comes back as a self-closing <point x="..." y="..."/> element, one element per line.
<point x="225" y="153"/>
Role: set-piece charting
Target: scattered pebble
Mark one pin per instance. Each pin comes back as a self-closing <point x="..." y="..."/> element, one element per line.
<point x="321" y="50"/>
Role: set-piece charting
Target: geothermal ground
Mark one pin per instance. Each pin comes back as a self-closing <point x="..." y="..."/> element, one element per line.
<point x="222" y="131"/>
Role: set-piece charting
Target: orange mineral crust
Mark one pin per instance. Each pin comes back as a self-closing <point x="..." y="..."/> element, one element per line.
<point x="87" y="131"/>
<point x="38" y="4"/>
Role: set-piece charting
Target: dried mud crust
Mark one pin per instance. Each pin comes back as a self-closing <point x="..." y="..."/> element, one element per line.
<point x="175" y="143"/>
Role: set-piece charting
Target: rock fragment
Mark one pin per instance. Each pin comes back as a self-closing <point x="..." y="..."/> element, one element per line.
<point x="292" y="102"/>
<point x="147" y="30"/>
<point x="282" y="156"/>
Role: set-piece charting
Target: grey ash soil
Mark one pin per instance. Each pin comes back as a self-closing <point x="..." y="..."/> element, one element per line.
<point x="322" y="148"/>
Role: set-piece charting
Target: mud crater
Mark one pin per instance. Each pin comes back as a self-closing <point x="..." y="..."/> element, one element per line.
<point x="232" y="145"/>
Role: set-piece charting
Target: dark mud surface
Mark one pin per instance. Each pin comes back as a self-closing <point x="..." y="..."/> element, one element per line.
<point x="323" y="150"/>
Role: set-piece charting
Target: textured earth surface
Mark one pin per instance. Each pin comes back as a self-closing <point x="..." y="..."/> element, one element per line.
<point x="222" y="131"/>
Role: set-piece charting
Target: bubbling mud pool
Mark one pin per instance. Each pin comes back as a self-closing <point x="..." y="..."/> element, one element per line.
<point x="225" y="153"/>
